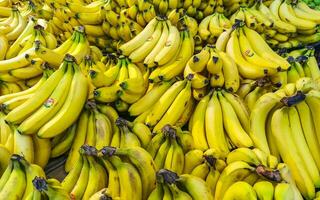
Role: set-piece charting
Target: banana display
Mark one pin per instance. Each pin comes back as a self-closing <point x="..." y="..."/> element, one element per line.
<point x="159" y="100"/>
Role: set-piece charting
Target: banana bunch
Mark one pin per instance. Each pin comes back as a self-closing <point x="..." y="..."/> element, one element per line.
<point x="253" y="174"/>
<point x="212" y="26"/>
<point x="179" y="18"/>
<point x="220" y="121"/>
<point x="121" y="26"/>
<point x="142" y="12"/>
<point x="131" y="134"/>
<point x="206" y="165"/>
<point x="291" y="110"/>
<point x="45" y="11"/>
<point x="95" y="126"/>
<point x="15" y="98"/>
<point x="55" y="105"/>
<point x="131" y="172"/>
<point x="264" y="188"/>
<point x="251" y="90"/>
<point x="168" y="146"/>
<point x="5" y="8"/>
<point x="16" y="181"/>
<point x="175" y="66"/>
<point x="34" y="149"/>
<point x="158" y="36"/>
<point x="165" y="103"/>
<point x="12" y="26"/>
<point x="33" y="32"/>
<point x="303" y="64"/>
<point x="173" y="186"/>
<point x="87" y="176"/>
<point x="47" y="189"/>
<point x="93" y="62"/>
<point x="253" y="56"/>
<point x="27" y="8"/>
<point x="125" y="81"/>
<point x="77" y="46"/>
<point x="214" y="67"/>
<point x="160" y="45"/>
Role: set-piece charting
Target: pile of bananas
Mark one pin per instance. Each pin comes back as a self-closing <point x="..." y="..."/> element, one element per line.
<point x="161" y="99"/>
<point x="290" y="129"/>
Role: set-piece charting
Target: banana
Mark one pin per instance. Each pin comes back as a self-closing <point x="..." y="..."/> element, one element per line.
<point x="197" y="62"/>
<point x="177" y="193"/>
<point x="203" y="28"/>
<point x="171" y="70"/>
<point x="176" y="109"/>
<point x="230" y="72"/>
<point x="167" y="195"/>
<point x="232" y="124"/>
<point x="163" y="104"/>
<point x="234" y="172"/>
<point x="251" y="56"/>
<point x="113" y="177"/>
<point x="16" y="183"/>
<point x="50" y="107"/>
<point x="177" y="163"/>
<point x="48" y="55"/>
<point x="263" y="49"/>
<point x="31" y="171"/>
<point x="70" y="180"/>
<point x="93" y="180"/>
<point x="246" y="69"/>
<point x="280" y="123"/>
<point x="305" y="110"/>
<point x="258" y="118"/>
<point x="240" y="190"/>
<point x="81" y="184"/>
<point x="65" y="143"/>
<point x="149" y="59"/>
<point x="283" y="191"/>
<point x="286" y="13"/>
<point x="4" y="46"/>
<point x="143" y="133"/>
<point x="223" y="39"/>
<point x="300" y="142"/>
<point x="131" y="189"/>
<point x="70" y="110"/>
<point x="198" y="125"/>
<point x="139" y="40"/>
<point x="42" y="150"/>
<point x="144" y="164"/>
<point x="141" y="53"/>
<point x="193" y="158"/>
<point x="23" y="145"/>
<point x="81" y="132"/>
<point x="91" y="18"/>
<point x="195" y="187"/>
<point x="264" y="190"/>
<point x="214" y="125"/>
<point x="6" y="174"/>
<point x="103" y="128"/>
<point x="171" y="46"/>
<point x="19" y="61"/>
<point x="245" y="155"/>
<point x="201" y="171"/>
<point x="5" y="158"/>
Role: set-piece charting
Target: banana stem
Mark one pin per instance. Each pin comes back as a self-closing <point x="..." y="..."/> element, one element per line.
<point x="167" y="176"/>
<point x="273" y="175"/>
<point x="293" y="100"/>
